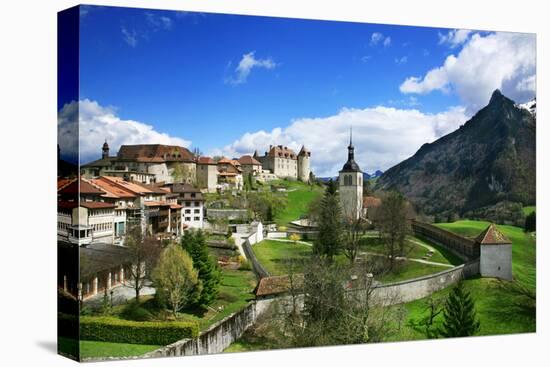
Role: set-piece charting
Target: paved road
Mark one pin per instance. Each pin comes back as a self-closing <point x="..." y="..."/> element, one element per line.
<point x="121" y="294"/>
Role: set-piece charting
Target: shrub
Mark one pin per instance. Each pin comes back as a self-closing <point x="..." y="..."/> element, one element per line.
<point x="110" y="329"/>
<point x="136" y="313"/>
<point x="294" y="237"/>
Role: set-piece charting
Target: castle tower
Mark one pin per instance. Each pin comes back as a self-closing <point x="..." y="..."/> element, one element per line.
<point x="303" y="164"/>
<point x="351" y="186"/>
<point x="105" y="150"/>
<point x="495" y="258"/>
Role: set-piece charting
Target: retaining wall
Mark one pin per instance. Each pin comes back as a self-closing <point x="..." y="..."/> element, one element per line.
<point x="217" y="337"/>
<point x="276" y="234"/>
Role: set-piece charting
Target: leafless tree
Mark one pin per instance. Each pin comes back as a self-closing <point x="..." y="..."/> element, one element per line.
<point x="393" y="225"/>
<point x="143" y="255"/>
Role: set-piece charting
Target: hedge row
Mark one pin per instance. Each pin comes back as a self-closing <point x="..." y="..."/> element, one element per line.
<point x="110" y="329"/>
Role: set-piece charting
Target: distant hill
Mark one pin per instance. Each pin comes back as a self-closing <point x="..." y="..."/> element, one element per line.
<point x="366" y="176"/>
<point x="488" y="160"/>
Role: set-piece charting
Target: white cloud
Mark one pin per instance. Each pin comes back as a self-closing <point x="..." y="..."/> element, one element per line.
<point x="366" y="58"/>
<point x="158" y="21"/>
<point x="401" y="60"/>
<point x="97" y="123"/>
<point x="383" y="136"/>
<point x="455" y="37"/>
<point x="378" y="37"/>
<point x="129" y="36"/>
<point x="247" y="63"/>
<point x="506" y="61"/>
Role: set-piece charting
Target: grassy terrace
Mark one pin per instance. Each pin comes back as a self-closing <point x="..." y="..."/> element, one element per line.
<point x="494" y="304"/>
<point x="235" y="292"/>
<point x="299" y="196"/>
<point x="276" y="256"/>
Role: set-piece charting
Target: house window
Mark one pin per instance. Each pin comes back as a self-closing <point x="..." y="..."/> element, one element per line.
<point x="187" y="211"/>
<point x="188" y="219"/>
<point x="197" y="211"/>
<point x="197" y="219"/>
<point x="197" y="203"/>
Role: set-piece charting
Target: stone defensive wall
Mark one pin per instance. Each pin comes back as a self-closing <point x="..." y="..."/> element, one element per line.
<point x="465" y="248"/>
<point x="227" y="214"/>
<point x="257" y="267"/>
<point x="218" y="336"/>
<point x="417" y="288"/>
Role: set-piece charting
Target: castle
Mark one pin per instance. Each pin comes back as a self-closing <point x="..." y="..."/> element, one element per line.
<point x="283" y="162"/>
<point x="351" y="186"/>
<point x="158" y="163"/>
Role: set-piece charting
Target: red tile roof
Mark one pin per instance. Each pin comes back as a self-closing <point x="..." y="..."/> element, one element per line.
<point x="246" y="159"/>
<point x="96" y="205"/>
<point x="492" y="236"/>
<point x="61" y="182"/>
<point x="224" y="160"/>
<point x="81" y="186"/>
<point x="205" y="160"/>
<point x="155" y="153"/>
<point x="112" y="189"/>
<point x="277" y="284"/>
<point x="128" y="185"/>
<point x="156" y="203"/>
<point x="282" y="152"/>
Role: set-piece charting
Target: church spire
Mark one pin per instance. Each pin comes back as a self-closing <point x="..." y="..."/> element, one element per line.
<point x="351" y="165"/>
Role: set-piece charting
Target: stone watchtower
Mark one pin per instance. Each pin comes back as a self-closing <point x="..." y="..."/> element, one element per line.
<point x="105" y="150"/>
<point x="351" y="186"/>
<point x="303" y="164"/>
<point x="495" y="249"/>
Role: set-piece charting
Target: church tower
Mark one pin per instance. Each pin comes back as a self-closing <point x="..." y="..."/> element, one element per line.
<point x="351" y="185"/>
<point x="105" y="150"/>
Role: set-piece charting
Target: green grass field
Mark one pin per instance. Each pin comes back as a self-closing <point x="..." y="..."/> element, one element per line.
<point x="299" y="196"/>
<point x="404" y="269"/>
<point x="277" y="256"/>
<point x="95" y="349"/>
<point x="495" y="304"/>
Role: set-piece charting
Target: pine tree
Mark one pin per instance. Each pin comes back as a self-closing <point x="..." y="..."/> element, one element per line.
<point x="531" y="222"/>
<point x="329" y="239"/>
<point x="459" y="314"/>
<point x="194" y="242"/>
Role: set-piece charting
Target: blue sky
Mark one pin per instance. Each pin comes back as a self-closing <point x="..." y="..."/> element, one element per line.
<point x="178" y="74"/>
